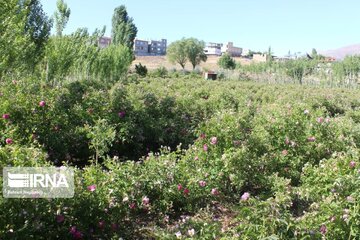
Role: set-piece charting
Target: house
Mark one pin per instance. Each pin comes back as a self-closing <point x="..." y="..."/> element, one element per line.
<point x="260" y="57"/>
<point x="230" y="49"/>
<point x="149" y="48"/>
<point x="213" y="49"/>
<point x="157" y="47"/>
<point x="141" y="47"/>
<point x="245" y="52"/>
<point x="104" y="42"/>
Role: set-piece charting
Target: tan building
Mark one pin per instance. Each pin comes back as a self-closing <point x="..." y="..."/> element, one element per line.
<point x="260" y="57"/>
<point x="230" y="49"/>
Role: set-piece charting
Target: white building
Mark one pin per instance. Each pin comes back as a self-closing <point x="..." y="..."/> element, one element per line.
<point x="213" y="49"/>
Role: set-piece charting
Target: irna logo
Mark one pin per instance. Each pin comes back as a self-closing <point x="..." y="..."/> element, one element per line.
<point x="42" y="182"/>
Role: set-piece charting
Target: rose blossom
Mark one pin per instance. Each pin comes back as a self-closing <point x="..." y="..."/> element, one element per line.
<point x="311" y="139"/>
<point x="42" y="103"/>
<point x="245" y="196"/>
<point x="202" y="183"/>
<point x="214" y="192"/>
<point x="92" y="188"/>
<point x="205" y="147"/>
<point x="145" y="200"/>
<point x="186" y="191"/>
<point x="121" y="114"/>
<point x="352" y="164"/>
<point x="213" y="140"/>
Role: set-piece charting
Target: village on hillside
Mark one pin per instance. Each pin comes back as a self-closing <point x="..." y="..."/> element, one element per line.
<point x="158" y="48"/>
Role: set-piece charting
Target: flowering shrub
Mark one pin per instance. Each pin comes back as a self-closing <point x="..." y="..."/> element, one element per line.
<point x="184" y="159"/>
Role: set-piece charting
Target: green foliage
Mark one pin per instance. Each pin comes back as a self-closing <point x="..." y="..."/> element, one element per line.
<point x="347" y="70"/>
<point x="227" y="62"/>
<point x="243" y="160"/>
<point x="160" y="72"/>
<point x="77" y="55"/>
<point x="61" y="16"/>
<point x="123" y="29"/>
<point x="297" y="69"/>
<point x="195" y="51"/>
<point x="101" y="136"/>
<point x="187" y="49"/>
<point x="24" y="32"/>
<point x="112" y="62"/>
<point x="176" y="52"/>
<point x="141" y="70"/>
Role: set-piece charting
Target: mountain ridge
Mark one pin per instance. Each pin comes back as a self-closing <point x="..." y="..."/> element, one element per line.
<point x="342" y="52"/>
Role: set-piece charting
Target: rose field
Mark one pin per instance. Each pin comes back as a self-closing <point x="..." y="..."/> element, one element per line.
<point x="182" y="158"/>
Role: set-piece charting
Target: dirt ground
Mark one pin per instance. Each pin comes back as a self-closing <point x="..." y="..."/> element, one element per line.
<point x="153" y="62"/>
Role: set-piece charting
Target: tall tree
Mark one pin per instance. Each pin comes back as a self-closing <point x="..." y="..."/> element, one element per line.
<point x="38" y="25"/>
<point x="61" y="16"/>
<point x="24" y="31"/>
<point x="176" y="52"/>
<point x="314" y="53"/>
<point x="123" y="29"/>
<point x="195" y="51"/>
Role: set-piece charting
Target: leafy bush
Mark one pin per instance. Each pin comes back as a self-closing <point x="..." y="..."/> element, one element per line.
<point x="227" y="62"/>
<point x="141" y="70"/>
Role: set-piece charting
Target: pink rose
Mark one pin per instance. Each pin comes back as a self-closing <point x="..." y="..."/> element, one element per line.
<point x="92" y="188"/>
<point x="311" y="139"/>
<point x="245" y="196"/>
<point x="121" y="114"/>
<point x="132" y="205"/>
<point x="320" y="120"/>
<point x="145" y="200"/>
<point x="42" y="103"/>
<point x="205" y="147"/>
<point x="213" y="140"/>
<point x="352" y="164"/>
<point x="202" y="183"/>
<point x="186" y="191"/>
<point x="214" y="192"/>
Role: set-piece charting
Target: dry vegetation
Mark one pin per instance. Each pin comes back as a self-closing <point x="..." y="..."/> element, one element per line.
<point x="153" y="62"/>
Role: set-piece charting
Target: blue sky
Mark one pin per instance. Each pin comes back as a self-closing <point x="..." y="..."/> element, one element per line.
<point x="284" y="25"/>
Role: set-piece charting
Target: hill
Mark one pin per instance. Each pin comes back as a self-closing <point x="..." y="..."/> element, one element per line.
<point x="342" y="52"/>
